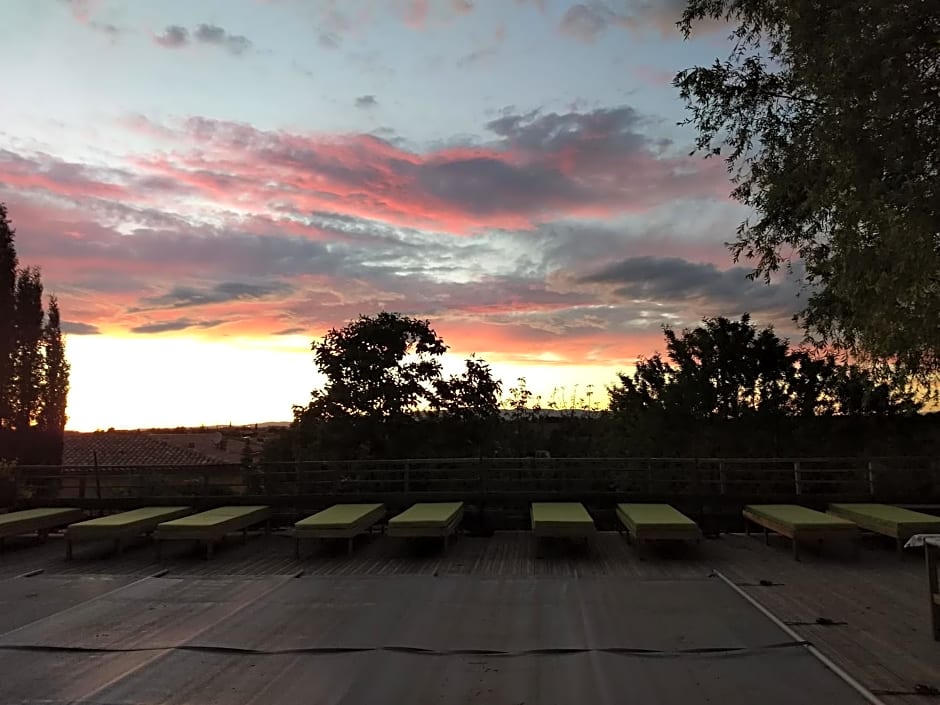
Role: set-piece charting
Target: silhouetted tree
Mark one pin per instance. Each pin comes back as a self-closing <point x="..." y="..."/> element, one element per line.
<point x="34" y="374"/>
<point x="55" y="387"/>
<point x="28" y="371"/>
<point x="728" y="369"/>
<point x="8" y="269"/>
<point x="384" y="375"/>
<point x="468" y="406"/>
<point x="826" y="113"/>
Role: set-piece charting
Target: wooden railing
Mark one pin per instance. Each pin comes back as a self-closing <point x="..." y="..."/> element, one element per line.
<point x="512" y="481"/>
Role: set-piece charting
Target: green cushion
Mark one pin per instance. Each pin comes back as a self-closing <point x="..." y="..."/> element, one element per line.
<point x="145" y="514"/>
<point x="655" y="515"/>
<point x="884" y="518"/>
<point x="560" y="513"/>
<point x="340" y="516"/>
<point x="212" y="517"/>
<point x="427" y="514"/>
<point x="28" y="515"/>
<point x="797" y="516"/>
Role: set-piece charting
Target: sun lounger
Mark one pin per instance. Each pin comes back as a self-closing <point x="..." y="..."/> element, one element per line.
<point x="211" y="526"/>
<point x="898" y="523"/>
<point x="657" y="522"/>
<point x="341" y="521"/>
<point x="799" y="524"/>
<point x="38" y="521"/>
<point x="121" y="527"/>
<point x="561" y="519"/>
<point x="427" y="519"/>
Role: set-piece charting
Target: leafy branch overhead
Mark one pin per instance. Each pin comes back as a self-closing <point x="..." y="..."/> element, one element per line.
<point x="827" y="113"/>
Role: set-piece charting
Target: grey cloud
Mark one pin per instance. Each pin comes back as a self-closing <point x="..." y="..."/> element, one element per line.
<point x="476" y="57"/>
<point x="328" y="40"/>
<point x="366" y="101"/>
<point x="676" y="280"/>
<point x="175" y="325"/>
<point x="585" y="21"/>
<point x="215" y="35"/>
<point x="173" y="37"/>
<point x="107" y="28"/>
<point x="290" y="331"/>
<point x="79" y="328"/>
<point x="487" y="185"/>
<point x="223" y="292"/>
<point x="552" y="132"/>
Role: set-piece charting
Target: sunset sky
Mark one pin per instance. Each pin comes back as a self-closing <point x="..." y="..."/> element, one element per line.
<point x="209" y="186"/>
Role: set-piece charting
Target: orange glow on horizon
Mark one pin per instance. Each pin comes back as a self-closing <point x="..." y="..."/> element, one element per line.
<point x="129" y="382"/>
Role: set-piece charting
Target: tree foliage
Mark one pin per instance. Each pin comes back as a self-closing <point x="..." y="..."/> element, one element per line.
<point x="385" y="386"/>
<point x="826" y="113"/>
<point x="8" y="270"/>
<point x="34" y="372"/>
<point x="55" y="386"/>
<point x="727" y="369"/>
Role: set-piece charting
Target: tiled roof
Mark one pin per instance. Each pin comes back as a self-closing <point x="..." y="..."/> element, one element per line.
<point x="128" y="448"/>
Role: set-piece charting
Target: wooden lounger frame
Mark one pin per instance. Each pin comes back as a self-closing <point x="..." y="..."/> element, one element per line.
<point x="797" y="534"/>
<point x="210" y="535"/>
<point x="85" y="531"/>
<point x="365" y="525"/>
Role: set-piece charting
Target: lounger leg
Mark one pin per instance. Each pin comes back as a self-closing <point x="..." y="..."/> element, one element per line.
<point x="349" y="546"/>
<point x="117" y="546"/>
<point x="159" y="546"/>
<point x="899" y="544"/>
<point x="445" y="541"/>
<point x="766" y="537"/>
<point x="796" y="549"/>
<point x="208" y="550"/>
<point x="933" y="583"/>
<point x="245" y="535"/>
<point x="68" y="549"/>
<point x="296" y="548"/>
<point x="747" y="527"/>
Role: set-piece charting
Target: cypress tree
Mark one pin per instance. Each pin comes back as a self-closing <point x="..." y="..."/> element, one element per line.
<point x="28" y="369"/>
<point x="8" y="264"/>
<point x="55" y="387"/>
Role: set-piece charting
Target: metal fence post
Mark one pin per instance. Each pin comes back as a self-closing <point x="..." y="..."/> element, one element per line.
<point x="871" y="479"/>
<point x="796" y="476"/>
<point x="721" y="477"/>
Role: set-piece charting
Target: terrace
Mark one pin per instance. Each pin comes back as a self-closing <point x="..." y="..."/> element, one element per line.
<point x="485" y="621"/>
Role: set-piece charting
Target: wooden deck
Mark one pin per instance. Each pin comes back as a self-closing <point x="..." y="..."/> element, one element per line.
<point x="876" y="604"/>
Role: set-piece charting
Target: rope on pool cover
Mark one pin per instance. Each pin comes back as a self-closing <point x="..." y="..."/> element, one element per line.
<point x="234" y="650"/>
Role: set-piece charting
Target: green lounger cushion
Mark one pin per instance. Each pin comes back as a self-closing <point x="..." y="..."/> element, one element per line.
<point x="342" y="516"/>
<point x="656" y="515"/>
<point x="561" y="519"/>
<point x="887" y="520"/>
<point x="427" y="514"/>
<point x="798" y="517"/>
<point x="657" y="521"/>
<point x="560" y="513"/>
<point x="214" y="521"/>
<point x="30" y="520"/>
<point x="123" y="523"/>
